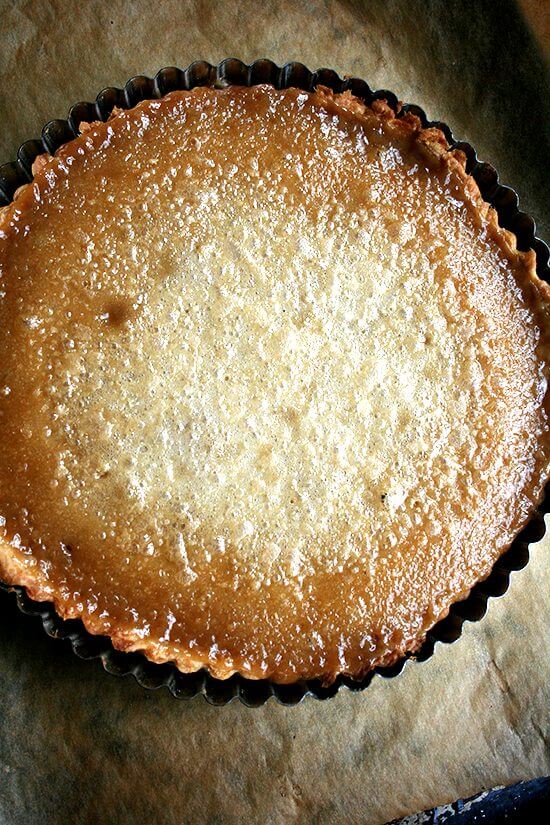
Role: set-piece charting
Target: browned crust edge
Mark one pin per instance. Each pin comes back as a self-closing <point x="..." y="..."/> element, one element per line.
<point x="432" y="143"/>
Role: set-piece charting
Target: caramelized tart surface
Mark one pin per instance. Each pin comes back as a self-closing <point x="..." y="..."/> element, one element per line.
<point x="272" y="383"/>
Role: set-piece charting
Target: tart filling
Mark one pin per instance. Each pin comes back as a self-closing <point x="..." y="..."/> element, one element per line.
<point x="272" y="382"/>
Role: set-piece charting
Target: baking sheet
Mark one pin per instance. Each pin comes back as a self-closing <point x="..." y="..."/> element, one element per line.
<point x="77" y="744"/>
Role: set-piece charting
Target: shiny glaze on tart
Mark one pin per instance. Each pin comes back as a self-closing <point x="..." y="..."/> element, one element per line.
<point x="272" y="382"/>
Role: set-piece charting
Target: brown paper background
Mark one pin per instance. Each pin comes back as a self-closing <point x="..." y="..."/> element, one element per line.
<point x="78" y="745"/>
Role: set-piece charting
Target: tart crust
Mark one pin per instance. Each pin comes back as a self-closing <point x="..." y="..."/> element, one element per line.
<point x="432" y="143"/>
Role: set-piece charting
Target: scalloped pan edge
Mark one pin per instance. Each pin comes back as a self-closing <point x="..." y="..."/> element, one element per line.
<point x="504" y="199"/>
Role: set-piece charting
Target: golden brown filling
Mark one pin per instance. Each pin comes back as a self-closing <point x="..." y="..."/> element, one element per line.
<point x="270" y="390"/>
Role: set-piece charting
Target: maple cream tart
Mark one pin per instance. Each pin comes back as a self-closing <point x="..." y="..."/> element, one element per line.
<point x="272" y="382"/>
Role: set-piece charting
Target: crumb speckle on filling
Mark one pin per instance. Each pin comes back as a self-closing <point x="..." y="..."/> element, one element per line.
<point x="260" y="361"/>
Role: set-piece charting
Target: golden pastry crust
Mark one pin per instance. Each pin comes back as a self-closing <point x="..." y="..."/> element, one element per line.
<point x="429" y="142"/>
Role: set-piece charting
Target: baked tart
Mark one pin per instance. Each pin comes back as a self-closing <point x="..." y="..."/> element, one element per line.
<point x="272" y="382"/>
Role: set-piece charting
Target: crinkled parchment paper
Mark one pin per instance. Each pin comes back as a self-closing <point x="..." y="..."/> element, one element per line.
<point x="78" y="745"/>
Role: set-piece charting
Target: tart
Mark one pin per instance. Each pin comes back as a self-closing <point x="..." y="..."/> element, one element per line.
<point x="272" y="382"/>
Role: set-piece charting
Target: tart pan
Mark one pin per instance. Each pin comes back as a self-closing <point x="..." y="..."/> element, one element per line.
<point x="504" y="199"/>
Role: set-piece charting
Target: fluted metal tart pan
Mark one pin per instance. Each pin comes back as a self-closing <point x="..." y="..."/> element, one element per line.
<point x="504" y="199"/>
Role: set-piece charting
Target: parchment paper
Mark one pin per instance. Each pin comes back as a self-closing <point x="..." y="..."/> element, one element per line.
<point x="78" y="745"/>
